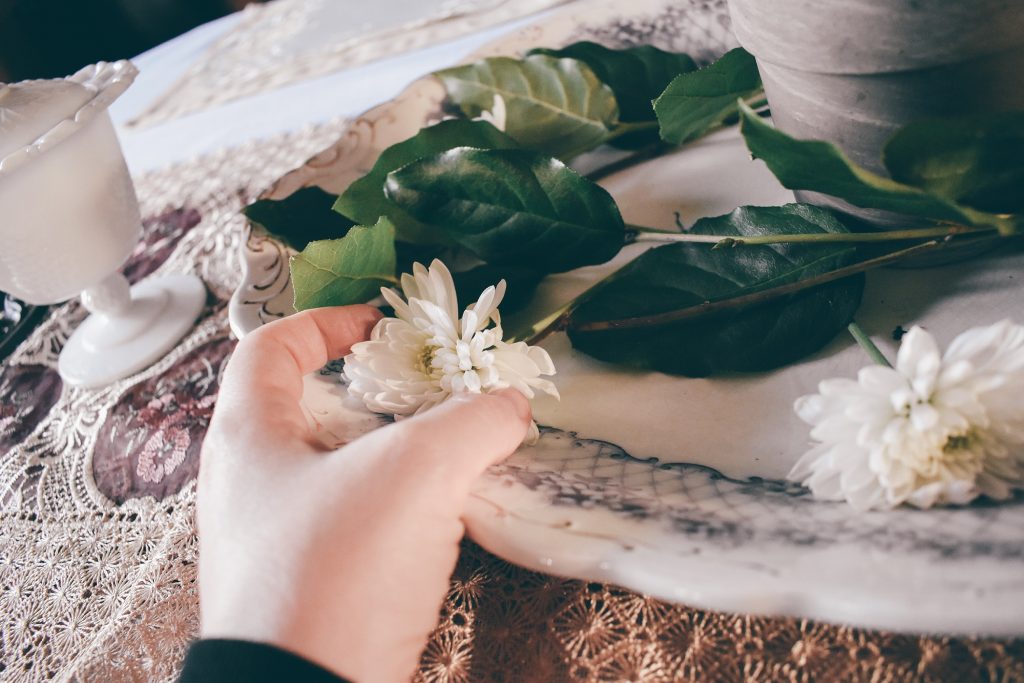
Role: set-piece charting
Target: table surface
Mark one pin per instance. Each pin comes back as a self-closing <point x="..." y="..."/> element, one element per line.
<point x="97" y="543"/>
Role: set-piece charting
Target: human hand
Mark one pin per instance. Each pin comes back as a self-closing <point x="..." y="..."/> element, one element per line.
<point x="342" y="556"/>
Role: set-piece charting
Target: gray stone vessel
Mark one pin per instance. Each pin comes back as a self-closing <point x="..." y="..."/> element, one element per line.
<point x="852" y="72"/>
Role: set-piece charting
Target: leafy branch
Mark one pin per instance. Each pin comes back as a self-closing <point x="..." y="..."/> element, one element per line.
<point x="754" y="289"/>
<point x="744" y="300"/>
<point x="640" y="234"/>
<point x="822" y="167"/>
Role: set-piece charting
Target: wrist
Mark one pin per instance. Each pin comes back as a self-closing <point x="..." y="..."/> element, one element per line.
<point x="314" y="631"/>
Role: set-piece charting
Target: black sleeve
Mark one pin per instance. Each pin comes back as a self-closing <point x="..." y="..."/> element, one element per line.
<point x="212" y="661"/>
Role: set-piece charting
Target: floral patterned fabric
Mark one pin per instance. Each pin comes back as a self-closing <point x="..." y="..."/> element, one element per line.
<point x="149" y="443"/>
<point x="98" y="547"/>
<point x="29" y="392"/>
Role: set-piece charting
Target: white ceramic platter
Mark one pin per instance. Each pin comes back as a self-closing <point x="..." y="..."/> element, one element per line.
<point x="674" y="487"/>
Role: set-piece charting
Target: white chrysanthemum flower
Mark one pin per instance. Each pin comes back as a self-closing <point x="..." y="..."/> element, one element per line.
<point x="496" y="116"/>
<point x="428" y="353"/>
<point x="936" y="429"/>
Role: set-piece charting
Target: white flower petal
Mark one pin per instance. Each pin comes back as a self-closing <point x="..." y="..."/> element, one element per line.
<point x="396" y="302"/>
<point x="532" y="435"/>
<point x="839" y="386"/>
<point x="428" y="353"/>
<point x="916" y="347"/>
<point x="924" y="417"/>
<point x="810" y="408"/>
<point x="936" y="430"/>
<point x="496" y="115"/>
<point x="486" y="305"/>
<point x="443" y="287"/>
<point x="472" y="381"/>
<point x="878" y="379"/>
<point x="541" y="359"/>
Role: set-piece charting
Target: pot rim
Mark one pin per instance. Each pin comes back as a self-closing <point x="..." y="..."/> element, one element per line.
<point x="882" y="41"/>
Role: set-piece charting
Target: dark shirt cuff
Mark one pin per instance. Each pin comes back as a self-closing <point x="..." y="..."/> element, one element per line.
<point x="215" y="660"/>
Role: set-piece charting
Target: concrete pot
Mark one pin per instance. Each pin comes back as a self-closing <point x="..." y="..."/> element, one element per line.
<point x="854" y="71"/>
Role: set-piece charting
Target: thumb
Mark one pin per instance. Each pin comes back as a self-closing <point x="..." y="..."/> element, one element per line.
<point x="460" y="438"/>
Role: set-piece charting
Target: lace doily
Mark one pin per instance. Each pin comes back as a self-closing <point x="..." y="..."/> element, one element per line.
<point x="292" y="40"/>
<point x="98" y="547"/>
<point x="97" y="542"/>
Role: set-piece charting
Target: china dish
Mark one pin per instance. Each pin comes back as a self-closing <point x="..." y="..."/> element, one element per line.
<point x="676" y="487"/>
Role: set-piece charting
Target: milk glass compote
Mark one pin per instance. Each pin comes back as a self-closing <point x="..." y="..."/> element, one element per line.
<point x="69" y="218"/>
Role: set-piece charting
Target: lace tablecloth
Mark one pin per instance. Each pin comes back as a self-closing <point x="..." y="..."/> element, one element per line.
<point x="98" y="545"/>
<point x="291" y="40"/>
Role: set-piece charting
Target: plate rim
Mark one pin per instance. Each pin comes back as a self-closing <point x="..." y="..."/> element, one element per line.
<point x="487" y="522"/>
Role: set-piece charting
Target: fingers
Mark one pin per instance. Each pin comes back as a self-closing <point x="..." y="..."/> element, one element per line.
<point x="263" y="382"/>
<point x="458" y="439"/>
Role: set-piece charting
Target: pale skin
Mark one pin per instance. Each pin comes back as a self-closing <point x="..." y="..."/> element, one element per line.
<point x="341" y="556"/>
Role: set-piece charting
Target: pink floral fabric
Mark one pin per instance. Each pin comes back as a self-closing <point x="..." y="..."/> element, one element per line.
<point x="149" y="443"/>
<point x="160" y="234"/>
<point x="27" y="393"/>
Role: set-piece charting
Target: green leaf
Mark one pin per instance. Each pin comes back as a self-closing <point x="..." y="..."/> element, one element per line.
<point x="636" y="75"/>
<point x="512" y="207"/>
<point x="364" y="200"/>
<point x="350" y="270"/>
<point x="683" y="275"/>
<point x="977" y="161"/>
<point x="521" y="281"/>
<point x="553" y="105"/>
<point x="697" y="101"/>
<point x="300" y="218"/>
<point x="822" y="167"/>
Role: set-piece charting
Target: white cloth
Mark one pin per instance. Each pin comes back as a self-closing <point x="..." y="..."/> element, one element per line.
<point x="343" y="94"/>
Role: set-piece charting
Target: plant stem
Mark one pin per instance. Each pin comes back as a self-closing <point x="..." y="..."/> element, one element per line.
<point x="637" y="157"/>
<point x="754" y="297"/>
<point x="542" y="329"/>
<point x="655" y="149"/>
<point x="869" y="346"/>
<point x="757" y="101"/>
<point x="643" y="229"/>
<point x="558" y="319"/>
<point x="656" y="235"/>
<point x="627" y="128"/>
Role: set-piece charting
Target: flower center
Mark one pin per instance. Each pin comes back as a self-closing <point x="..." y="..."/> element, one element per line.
<point x="958" y="442"/>
<point x="956" y="455"/>
<point x="427" y="364"/>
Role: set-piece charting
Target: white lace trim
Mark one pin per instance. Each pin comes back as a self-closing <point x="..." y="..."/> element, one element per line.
<point x="89" y="590"/>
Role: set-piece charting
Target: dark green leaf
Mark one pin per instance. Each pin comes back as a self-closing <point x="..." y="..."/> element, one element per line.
<point x="522" y="283"/>
<point x="512" y="207"/>
<point x="822" y="167"/>
<point x="636" y="75"/>
<point x="553" y="105"/>
<point x="300" y="218"/>
<point x="406" y="254"/>
<point x="350" y="270"/>
<point x="682" y="275"/>
<point x="364" y="200"/>
<point x="697" y="101"/>
<point x="977" y="161"/>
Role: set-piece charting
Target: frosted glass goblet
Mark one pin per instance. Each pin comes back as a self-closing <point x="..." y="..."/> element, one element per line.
<point x="69" y="218"/>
